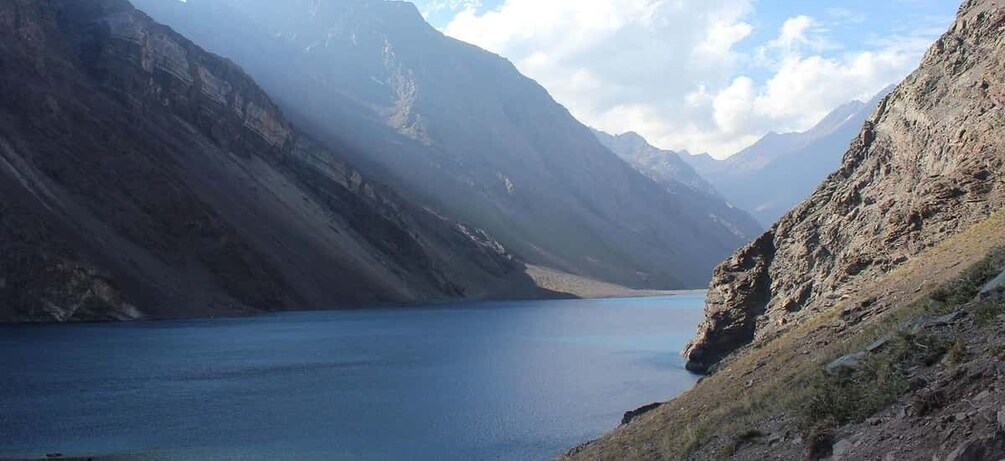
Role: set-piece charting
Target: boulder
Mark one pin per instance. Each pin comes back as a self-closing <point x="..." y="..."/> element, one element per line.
<point x="996" y="285"/>
<point x="978" y="450"/>
<point x="880" y="343"/>
<point x="636" y="413"/>
<point x="847" y="364"/>
<point x="842" y="449"/>
<point x="926" y="322"/>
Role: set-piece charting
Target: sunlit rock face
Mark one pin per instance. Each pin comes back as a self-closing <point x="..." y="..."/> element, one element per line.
<point x="927" y="164"/>
<point x="145" y="177"/>
<point x="461" y="131"/>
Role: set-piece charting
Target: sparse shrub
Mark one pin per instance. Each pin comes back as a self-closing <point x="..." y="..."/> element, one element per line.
<point x="880" y="381"/>
<point x="820" y="441"/>
<point x="958" y="352"/>
<point x="986" y="312"/>
<point x="998" y="351"/>
<point x="745" y="437"/>
<point x="941" y="294"/>
<point x="854" y="398"/>
<point x="922" y="350"/>
<point x="964" y="288"/>
<point x="924" y="403"/>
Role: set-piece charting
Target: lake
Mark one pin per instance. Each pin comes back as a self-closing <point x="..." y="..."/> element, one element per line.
<point x="496" y="380"/>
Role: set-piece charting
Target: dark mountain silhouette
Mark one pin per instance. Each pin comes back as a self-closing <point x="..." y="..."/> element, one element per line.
<point x="144" y="177"/>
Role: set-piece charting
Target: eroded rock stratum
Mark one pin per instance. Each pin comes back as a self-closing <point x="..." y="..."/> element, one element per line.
<point x="927" y="164"/>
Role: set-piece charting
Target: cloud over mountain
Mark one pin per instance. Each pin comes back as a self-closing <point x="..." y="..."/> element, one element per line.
<point x="705" y="76"/>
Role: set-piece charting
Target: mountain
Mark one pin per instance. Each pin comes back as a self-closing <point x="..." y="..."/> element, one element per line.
<point x="679" y="178"/>
<point x="461" y="131"/>
<point x="777" y="172"/>
<point x="664" y="166"/>
<point x="145" y="177"/>
<point x="927" y="165"/>
<point x="872" y="316"/>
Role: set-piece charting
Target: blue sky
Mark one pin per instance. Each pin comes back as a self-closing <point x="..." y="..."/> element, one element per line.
<point x="702" y="75"/>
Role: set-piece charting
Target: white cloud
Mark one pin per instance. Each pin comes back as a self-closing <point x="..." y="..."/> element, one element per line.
<point x="670" y="69"/>
<point x="734" y="106"/>
<point x="452" y="5"/>
<point x="794" y="32"/>
<point x="722" y="36"/>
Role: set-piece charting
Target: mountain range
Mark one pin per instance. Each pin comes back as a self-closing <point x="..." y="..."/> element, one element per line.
<point x="678" y="178"/>
<point x="460" y="131"/>
<point x="779" y="171"/>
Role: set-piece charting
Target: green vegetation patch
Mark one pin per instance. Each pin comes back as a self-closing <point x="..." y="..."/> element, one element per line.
<point x="986" y="312"/>
<point x="743" y="438"/>
<point x="881" y="378"/>
<point x="965" y="288"/>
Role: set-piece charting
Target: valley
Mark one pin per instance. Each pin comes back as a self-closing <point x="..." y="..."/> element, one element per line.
<point x="375" y="229"/>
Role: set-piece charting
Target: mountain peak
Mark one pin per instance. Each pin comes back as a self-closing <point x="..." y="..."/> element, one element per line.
<point x="461" y="131"/>
<point x="775" y="173"/>
<point x="671" y="170"/>
<point x="633" y="136"/>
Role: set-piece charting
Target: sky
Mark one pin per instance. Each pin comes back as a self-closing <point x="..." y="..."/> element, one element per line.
<point x="702" y="75"/>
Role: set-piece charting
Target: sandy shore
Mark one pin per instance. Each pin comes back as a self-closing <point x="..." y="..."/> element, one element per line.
<point x="587" y="288"/>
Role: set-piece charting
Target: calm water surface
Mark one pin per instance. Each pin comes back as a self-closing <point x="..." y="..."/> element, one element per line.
<point x="503" y="380"/>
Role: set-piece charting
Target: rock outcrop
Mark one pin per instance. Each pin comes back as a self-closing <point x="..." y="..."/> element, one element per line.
<point x="144" y="177"/>
<point x="926" y="165"/>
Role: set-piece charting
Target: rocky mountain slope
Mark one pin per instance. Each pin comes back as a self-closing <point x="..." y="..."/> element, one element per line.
<point x="463" y="132"/>
<point x="928" y="164"/>
<point x="779" y="171"/>
<point x="663" y="166"/>
<point x="874" y="310"/>
<point x="908" y="367"/>
<point x="144" y="177"/>
<point x="678" y="177"/>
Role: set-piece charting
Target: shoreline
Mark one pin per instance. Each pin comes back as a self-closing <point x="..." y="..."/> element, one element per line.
<point x="586" y="288"/>
<point x="624" y="293"/>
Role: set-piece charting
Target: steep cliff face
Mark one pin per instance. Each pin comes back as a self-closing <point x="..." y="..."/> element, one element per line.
<point x="142" y="176"/>
<point x="927" y="164"/>
<point x="463" y="132"/>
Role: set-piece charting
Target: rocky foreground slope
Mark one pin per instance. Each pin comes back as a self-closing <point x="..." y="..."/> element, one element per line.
<point x="144" y="177"/>
<point x="909" y="367"/>
<point x="927" y="164"/>
<point x="867" y="323"/>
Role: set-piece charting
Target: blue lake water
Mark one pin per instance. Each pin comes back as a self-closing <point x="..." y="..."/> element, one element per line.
<point x="501" y="380"/>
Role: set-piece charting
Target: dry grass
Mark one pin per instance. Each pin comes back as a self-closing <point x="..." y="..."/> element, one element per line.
<point x="987" y="311"/>
<point x="785" y="372"/>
